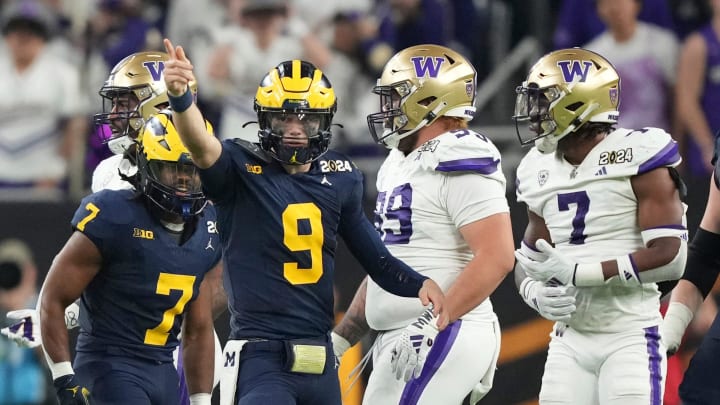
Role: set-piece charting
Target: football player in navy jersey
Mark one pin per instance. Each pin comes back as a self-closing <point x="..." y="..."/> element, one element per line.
<point x="138" y="261"/>
<point x="699" y="384"/>
<point x="281" y="205"/>
<point x="132" y="93"/>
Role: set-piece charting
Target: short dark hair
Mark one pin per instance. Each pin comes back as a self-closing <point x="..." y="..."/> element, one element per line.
<point x="26" y="24"/>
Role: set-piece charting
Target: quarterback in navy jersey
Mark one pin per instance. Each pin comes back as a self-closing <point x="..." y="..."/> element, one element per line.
<point x="138" y="261"/>
<point x="281" y="205"/>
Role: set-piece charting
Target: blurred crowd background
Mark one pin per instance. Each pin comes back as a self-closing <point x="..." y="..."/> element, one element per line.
<point x="56" y="54"/>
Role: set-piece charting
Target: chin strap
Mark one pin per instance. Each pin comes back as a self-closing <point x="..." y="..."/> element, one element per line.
<point x="430" y="117"/>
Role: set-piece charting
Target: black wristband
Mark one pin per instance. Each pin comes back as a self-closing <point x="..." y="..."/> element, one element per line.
<point x="703" y="262"/>
<point x="181" y="103"/>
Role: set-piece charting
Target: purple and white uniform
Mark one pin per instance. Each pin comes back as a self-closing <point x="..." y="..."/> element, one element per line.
<point x="423" y="200"/>
<point x="611" y="346"/>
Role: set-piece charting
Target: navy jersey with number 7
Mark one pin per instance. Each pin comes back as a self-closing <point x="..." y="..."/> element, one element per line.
<point x="146" y="280"/>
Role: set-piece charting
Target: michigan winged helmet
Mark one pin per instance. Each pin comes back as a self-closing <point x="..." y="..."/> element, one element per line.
<point x="168" y="177"/>
<point x="296" y="88"/>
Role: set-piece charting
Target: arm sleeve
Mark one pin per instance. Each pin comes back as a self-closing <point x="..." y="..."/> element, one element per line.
<point x="703" y="262"/>
<point x="390" y="273"/>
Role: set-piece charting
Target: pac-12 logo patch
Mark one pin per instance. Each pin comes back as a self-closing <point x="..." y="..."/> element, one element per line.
<point x="543" y="176"/>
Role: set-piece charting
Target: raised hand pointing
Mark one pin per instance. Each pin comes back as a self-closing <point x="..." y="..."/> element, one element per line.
<point x="178" y="69"/>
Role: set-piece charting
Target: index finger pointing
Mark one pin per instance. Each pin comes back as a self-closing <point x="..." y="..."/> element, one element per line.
<point x="169" y="48"/>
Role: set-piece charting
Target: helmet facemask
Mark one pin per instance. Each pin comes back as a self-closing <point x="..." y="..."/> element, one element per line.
<point x="168" y="177"/>
<point x="387" y="126"/>
<point x="532" y="108"/>
<point x="173" y="186"/>
<point x="295" y="138"/>
<point x="121" y="121"/>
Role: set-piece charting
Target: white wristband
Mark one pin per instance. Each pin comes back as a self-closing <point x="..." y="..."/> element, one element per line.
<point x="627" y="273"/>
<point x="340" y="344"/>
<point x="528" y="292"/>
<point x="200" y="399"/>
<point x="588" y="275"/>
<point x="59" y="369"/>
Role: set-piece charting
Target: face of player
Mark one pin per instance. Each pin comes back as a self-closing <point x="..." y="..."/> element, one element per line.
<point x="295" y="128"/>
<point x="122" y="104"/>
<point x="538" y="112"/>
<point x="182" y="178"/>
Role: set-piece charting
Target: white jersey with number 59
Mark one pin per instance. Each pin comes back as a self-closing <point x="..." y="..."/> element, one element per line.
<point x="423" y="200"/>
<point x="591" y="213"/>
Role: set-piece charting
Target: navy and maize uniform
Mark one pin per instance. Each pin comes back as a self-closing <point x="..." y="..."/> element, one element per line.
<point x="279" y="235"/>
<point x="129" y="320"/>
<point x="699" y="384"/>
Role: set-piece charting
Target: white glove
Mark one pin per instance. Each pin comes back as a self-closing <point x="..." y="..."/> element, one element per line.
<point x="677" y="317"/>
<point x="412" y="346"/>
<point x="26" y="331"/>
<point x="556" y="269"/>
<point x="555" y="303"/>
<point x="340" y="345"/>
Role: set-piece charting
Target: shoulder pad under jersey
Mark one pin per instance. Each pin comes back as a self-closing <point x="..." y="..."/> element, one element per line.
<point x="628" y="152"/>
<point x="533" y="172"/>
<point x="461" y="150"/>
<point x="102" y="215"/>
<point x="254" y="149"/>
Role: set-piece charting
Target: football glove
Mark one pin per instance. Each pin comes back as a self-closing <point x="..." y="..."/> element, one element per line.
<point x="555" y="303"/>
<point x="556" y="269"/>
<point x="26" y="331"/>
<point x="412" y="346"/>
<point x="70" y="392"/>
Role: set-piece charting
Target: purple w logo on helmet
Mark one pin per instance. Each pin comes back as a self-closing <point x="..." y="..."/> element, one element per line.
<point x="155" y="68"/>
<point x="576" y="69"/>
<point x="427" y="65"/>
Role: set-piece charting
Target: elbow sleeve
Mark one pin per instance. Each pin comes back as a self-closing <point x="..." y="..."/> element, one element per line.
<point x="670" y="271"/>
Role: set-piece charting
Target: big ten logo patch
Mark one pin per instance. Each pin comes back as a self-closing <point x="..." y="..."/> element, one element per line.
<point x="143" y="234"/>
<point x="254" y="169"/>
